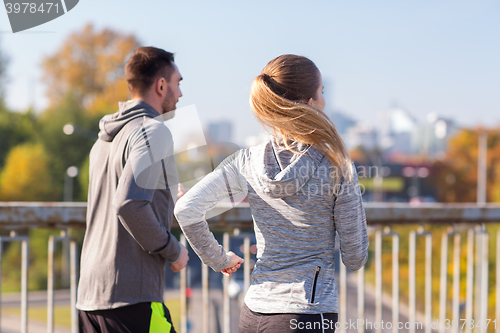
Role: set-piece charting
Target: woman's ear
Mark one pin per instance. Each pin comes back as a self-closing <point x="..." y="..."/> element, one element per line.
<point x="310" y="101"/>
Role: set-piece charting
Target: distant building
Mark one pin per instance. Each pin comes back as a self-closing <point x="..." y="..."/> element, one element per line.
<point x="431" y="137"/>
<point x="362" y="134"/>
<point x="342" y="121"/>
<point x="397" y="130"/>
<point x="220" y="131"/>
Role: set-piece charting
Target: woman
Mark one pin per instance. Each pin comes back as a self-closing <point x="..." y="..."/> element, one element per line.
<point x="302" y="189"/>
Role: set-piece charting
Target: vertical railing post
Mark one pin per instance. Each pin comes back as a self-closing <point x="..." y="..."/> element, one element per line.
<point x="443" y="282"/>
<point x="456" y="280"/>
<point x="246" y="266"/>
<point x="51" y="280"/>
<point x="469" y="298"/>
<point x="484" y="281"/>
<point x="454" y="323"/>
<point x="497" y="285"/>
<point x="412" y="280"/>
<point x="24" y="285"/>
<point x="395" y="282"/>
<point x="50" y="287"/>
<point x="226" y="301"/>
<point x="481" y="285"/>
<point x="361" y="298"/>
<point x="343" y="296"/>
<point x="73" y="285"/>
<point x="477" y="283"/>
<point x="412" y="306"/>
<point x="183" y="274"/>
<point x="24" y="274"/>
<point x="205" y="298"/>
<point x="428" y="281"/>
<point x="378" y="278"/>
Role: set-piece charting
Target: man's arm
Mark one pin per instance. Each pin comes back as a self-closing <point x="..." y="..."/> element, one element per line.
<point x="150" y="146"/>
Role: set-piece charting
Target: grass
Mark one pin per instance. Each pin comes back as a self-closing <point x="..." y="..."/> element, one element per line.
<point x="62" y="313"/>
<point x="174" y="306"/>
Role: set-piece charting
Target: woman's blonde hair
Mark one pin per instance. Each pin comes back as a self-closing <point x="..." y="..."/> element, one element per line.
<point x="279" y="98"/>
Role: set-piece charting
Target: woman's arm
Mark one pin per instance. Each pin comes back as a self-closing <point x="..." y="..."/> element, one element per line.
<point x="223" y="184"/>
<point x="350" y="222"/>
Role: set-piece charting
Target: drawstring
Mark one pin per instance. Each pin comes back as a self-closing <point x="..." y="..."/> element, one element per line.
<point x="322" y="327"/>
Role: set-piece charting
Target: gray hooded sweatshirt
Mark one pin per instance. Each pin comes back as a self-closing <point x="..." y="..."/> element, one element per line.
<point x="296" y="218"/>
<point x="130" y="210"/>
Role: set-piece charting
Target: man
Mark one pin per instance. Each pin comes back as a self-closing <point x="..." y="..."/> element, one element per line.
<point x="132" y="191"/>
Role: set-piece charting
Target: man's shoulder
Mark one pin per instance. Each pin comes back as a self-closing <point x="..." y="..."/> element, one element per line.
<point x="148" y="127"/>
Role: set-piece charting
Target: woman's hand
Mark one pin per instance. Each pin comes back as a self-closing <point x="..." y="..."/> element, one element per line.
<point x="233" y="265"/>
<point x="180" y="191"/>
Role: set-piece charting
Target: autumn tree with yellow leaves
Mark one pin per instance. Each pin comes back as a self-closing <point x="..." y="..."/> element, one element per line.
<point x="456" y="173"/>
<point x="26" y="175"/>
<point x="90" y="67"/>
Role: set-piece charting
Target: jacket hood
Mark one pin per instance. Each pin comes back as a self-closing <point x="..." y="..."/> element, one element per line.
<point x="111" y="124"/>
<point x="282" y="173"/>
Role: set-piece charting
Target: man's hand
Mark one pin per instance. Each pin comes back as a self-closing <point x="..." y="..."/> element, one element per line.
<point x="182" y="262"/>
<point x="233" y="265"/>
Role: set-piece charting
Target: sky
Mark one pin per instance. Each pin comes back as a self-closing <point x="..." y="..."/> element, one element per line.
<point x="427" y="56"/>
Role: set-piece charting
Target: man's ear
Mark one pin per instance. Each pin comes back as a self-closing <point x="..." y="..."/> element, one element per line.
<point x="161" y="86"/>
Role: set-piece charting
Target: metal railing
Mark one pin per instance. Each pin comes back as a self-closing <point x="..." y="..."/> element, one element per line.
<point x="382" y="218"/>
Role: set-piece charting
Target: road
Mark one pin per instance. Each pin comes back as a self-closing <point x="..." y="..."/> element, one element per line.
<point x="11" y="324"/>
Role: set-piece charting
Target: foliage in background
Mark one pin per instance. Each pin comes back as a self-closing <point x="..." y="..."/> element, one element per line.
<point x="15" y="128"/>
<point x="26" y="175"/>
<point x="66" y="150"/>
<point x="83" y="179"/>
<point x="456" y="175"/>
<point x="90" y="67"/>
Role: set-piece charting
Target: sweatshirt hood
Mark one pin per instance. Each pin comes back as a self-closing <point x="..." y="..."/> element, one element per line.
<point x="282" y="173"/>
<point x="111" y="124"/>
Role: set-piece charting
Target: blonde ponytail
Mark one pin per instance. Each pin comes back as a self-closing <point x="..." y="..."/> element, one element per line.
<point x="278" y="99"/>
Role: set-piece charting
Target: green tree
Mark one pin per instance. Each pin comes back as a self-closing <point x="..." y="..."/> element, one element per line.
<point x="15" y="128"/>
<point x="83" y="179"/>
<point x="26" y="175"/>
<point x="3" y="70"/>
<point x="65" y="150"/>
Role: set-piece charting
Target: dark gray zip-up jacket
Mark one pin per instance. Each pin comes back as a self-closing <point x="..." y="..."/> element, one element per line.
<point x="130" y="210"/>
<point x="295" y="218"/>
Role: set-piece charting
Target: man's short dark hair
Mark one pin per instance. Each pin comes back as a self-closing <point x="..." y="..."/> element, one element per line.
<point x="145" y="66"/>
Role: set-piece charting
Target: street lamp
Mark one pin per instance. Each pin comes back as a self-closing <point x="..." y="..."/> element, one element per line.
<point x="71" y="173"/>
<point x="482" y="165"/>
<point x="70" y="129"/>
